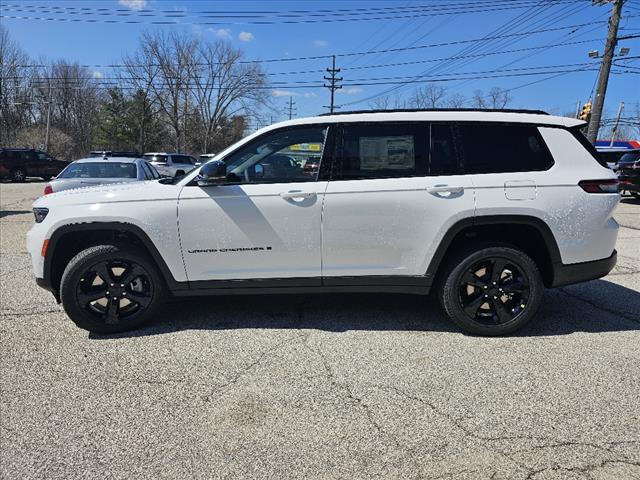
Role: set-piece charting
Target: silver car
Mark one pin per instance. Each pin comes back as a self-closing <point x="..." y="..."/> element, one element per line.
<point x="93" y="171"/>
<point x="171" y="164"/>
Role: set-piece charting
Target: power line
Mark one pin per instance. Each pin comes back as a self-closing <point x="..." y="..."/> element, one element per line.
<point x="347" y="54"/>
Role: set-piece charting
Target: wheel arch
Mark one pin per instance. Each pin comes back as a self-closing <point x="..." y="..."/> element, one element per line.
<point x="68" y="240"/>
<point x="530" y="234"/>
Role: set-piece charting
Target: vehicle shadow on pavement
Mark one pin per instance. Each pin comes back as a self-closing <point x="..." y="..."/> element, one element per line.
<point x="8" y="213"/>
<point x="631" y="200"/>
<point x="594" y="307"/>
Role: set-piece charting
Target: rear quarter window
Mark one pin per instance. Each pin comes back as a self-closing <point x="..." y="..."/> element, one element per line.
<point x="503" y="148"/>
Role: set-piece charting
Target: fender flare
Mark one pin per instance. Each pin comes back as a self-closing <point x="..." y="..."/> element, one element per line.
<point x="172" y="283"/>
<point x="535" y="222"/>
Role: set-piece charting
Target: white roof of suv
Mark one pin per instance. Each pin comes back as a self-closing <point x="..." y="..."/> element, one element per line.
<point x="511" y="116"/>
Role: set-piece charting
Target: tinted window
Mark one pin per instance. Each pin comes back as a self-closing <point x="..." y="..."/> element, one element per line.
<point x="444" y="153"/>
<point x="145" y="171"/>
<point x="383" y="151"/>
<point x="279" y="156"/>
<point x="497" y="148"/>
<point x="100" y="170"/>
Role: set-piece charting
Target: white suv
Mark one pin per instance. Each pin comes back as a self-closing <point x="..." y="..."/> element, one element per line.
<point x="484" y="207"/>
<point x="171" y="164"/>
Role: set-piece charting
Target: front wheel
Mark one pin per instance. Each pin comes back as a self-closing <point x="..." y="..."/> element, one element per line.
<point x="111" y="288"/>
<point x="491" y="290"/>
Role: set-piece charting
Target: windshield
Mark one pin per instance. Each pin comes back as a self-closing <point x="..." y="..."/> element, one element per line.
<point x="156" y="158"/>
<point x="100" y="170"/>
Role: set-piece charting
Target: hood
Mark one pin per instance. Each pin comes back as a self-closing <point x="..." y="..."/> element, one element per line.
<point x="111" y="193"/>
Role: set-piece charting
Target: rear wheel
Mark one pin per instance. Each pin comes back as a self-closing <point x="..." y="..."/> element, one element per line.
<point x="491" y="290"/>
<point x="111" y="288"/>
<point x="18" y="175"/>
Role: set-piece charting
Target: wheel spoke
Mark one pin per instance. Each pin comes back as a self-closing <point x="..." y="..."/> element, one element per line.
<point x="472" y="307"/>
<point x="104" y="272"/>
<point x="92" y="295"/>
<point x="515" y="287"/>
<point x="501" y="310"/>
<point x="131" y="273"/>
<point x="140" y="298"/>
<point x="470" y="278"/>
<point x="112" y="311"/>
<point x="497" y="267"/>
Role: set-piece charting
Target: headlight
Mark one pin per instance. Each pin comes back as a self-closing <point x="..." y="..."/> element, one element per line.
<point x="40" y="214"/>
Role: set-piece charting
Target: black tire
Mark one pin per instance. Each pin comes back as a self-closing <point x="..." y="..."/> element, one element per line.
<point x="636" y="195"/>
<point x="479" y="306"/>
<point x="94" y="298"/>
<point x="46" y="178"/>
<point x="18" y="175"/>
<point x="179" y="173"/>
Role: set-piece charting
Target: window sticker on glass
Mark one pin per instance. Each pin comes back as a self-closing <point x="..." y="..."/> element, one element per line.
<point x="377" y="153"/>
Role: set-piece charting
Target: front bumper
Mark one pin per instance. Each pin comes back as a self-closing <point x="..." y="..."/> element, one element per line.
<point x="564" y="274"/>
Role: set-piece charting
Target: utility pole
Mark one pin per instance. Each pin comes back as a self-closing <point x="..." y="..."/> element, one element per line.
<point x="614" y="131"/>
<point x="291" y="104"/>
<point x="46" y="135"/>
<point x="605" y="68"/>
<point x="578" y="109"/>
<point x="333" y="82"/>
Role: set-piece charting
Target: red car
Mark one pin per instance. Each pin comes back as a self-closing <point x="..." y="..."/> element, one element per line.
<point x="20" y="163"/>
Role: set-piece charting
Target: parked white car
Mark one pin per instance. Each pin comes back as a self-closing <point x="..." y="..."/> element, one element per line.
<point x="486" y="208"/>
<point x="171" y="164"/>
<point x="88" y="172"/>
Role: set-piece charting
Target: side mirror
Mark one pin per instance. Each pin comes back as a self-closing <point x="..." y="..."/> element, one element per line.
<point x="212" y="173"/>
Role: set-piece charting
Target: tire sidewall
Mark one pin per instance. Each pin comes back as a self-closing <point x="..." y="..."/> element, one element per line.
<point x="77" y="268"/>
<point x="449" y="291"/>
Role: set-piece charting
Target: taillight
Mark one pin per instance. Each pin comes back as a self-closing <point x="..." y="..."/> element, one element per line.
<point x="599" y="186"/>
<point x="48" y="189"/>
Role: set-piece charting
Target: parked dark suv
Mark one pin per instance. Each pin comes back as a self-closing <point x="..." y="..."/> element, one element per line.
<point x="20" y="163"/>
<point x="628" y="170"/>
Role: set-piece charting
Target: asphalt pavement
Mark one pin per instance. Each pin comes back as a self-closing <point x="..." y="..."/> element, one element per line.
<point x="319" y="386"/>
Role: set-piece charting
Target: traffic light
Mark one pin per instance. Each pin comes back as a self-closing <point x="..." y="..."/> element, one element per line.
<point x="586" y="111"/>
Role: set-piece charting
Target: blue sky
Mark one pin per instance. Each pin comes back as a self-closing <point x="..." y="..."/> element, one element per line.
<point x="102" y="43"/>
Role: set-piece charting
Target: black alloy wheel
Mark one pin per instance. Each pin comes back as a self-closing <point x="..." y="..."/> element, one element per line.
<point x="111" y="288"/>
<point x="494" y="291"/>
<point x="490" y="288"/>
<point x="115" y="291"/>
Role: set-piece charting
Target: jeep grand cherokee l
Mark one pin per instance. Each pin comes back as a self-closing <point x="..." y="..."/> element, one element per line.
<point x="486" y="208"/>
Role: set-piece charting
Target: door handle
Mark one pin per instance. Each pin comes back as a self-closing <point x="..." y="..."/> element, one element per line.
<point x="296" y="194"/>
<point x="445" y="189"/>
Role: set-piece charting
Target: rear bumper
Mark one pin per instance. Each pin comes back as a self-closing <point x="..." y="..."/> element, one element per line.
<point x="583" y="272"/>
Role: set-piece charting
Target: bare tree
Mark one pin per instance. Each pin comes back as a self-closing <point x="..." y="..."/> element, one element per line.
<point x="224" y="85"/>
<point x="429" y="96"/>
<point x="15" y="93"/>
<point x="498" y="97"/>
<point x="380" y="103"/>
<point x="192" y="84"/>
<point x="457" y="100"/>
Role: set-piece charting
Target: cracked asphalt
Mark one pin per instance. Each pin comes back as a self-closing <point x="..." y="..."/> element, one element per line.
<point x="331" y="386"/>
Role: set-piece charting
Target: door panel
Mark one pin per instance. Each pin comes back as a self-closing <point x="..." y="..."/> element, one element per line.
<point x="265" y="222"/>
<point x="390" y="226"/>
<point x="251" y="231"/>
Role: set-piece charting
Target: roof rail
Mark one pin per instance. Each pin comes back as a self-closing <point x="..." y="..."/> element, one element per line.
<point x="501" y="110"/>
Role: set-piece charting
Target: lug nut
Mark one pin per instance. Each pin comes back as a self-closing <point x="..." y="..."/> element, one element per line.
<point x="111" y="285"/>
<point x="122" y="285"/>
<point x="107" y="293"/>
<point x="124" y="294"/>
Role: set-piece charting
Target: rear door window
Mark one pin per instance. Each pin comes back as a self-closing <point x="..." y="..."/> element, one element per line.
<point x="444" y="154"/>
<point x="503" y="148"/>
<point x="382" y="150"/>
